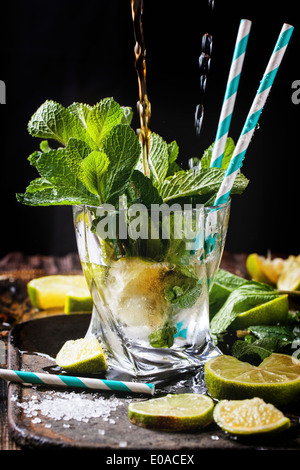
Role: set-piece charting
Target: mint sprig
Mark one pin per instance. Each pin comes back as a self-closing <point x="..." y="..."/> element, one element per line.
<point x="99" y="159"/>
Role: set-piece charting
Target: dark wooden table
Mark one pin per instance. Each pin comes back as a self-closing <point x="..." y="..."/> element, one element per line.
<point x="18" y="268"/>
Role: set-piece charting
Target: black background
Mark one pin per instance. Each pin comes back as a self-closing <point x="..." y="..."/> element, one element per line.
<point x="83" y="51"/>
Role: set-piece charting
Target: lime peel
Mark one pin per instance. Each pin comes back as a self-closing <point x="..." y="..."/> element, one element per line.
<point x="173" y="412"/>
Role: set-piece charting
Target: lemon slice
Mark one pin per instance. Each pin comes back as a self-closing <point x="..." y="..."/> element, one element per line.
<point x="264" y="269"/>
<point x="173" y="412"/>
<point x="276" y="380"/>
<point x="83" y="355"/>
<point x="289" y="278"/>
<point x="252" y="416"/>
<point x="53" y="291"/>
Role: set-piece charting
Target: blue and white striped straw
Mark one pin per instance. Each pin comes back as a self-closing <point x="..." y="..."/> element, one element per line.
<point x="254" y="114"/>
<point x="230" y="93"/>
<point x="77" y="382"/>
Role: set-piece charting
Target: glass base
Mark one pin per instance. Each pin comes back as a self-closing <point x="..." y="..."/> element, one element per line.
<point x="155" y="364"/>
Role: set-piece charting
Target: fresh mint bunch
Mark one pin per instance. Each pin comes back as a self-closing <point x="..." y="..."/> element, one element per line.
<point x="99" y="159"/>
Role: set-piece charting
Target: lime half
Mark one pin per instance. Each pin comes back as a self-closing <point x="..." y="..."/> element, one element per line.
<point x="83" y="355"/>
<point x="252" y="416"/>
<point x="276" y="380"/>
<point x="60" y="291"/>
<point x="173" y="412"/>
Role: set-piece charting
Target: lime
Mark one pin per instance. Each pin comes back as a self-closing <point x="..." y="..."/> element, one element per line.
<point x="269" y="313"/>
<point x="83" y="355"/>
<point x="252" y="416"/>
<point x="79" y="302"/>
<point x="276" y="380"/>
<point x="289" y="278"/>
<point x="173" y="412"/>
<point x="51" y="292"/>
<point x="264" y="269"/>
<point x="255" y="268"/>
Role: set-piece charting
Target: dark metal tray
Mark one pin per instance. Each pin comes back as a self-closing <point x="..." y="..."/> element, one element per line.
<point x="33" y="346"/>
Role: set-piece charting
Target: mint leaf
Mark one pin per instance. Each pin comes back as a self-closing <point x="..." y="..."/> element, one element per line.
<point x="163" y="337"/>
<point x="204" y="182"/>
<point x="93" y="168"/>
<point x="58" y="182"/>
<point x="241" y="300"/>
<point x="102" y="118"/>
<point x="158" y="159"/>
<point x="140" y="190"/>
<point x="41" y="192"/>
<point x="228" y="151"/>
<point x="252" y="353"/>
<point x="122" y="148"/>
<point x="53" y="121"/>
<point x="77" y="150"/>
<point x="225" y="283"/>
<point x="80" y="111"/>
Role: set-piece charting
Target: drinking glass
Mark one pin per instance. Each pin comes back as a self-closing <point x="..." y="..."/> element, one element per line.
<point x="149" y="273"/>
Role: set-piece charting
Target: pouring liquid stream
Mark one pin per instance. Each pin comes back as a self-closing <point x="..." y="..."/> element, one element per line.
<point x="143" y="105"/>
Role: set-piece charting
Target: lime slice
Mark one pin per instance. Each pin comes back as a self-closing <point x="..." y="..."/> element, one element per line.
<point x="51" y="292"/>
<point x="269" y="313"/>
<point x="264" y="269"/>
<point x="79" y="302"/>
<point x="173" y="412"/>
<point x="252" y="416"/>
<point x="276" y="380"/>
<point x="83" y="355"/>
<point x="289" y="278"/>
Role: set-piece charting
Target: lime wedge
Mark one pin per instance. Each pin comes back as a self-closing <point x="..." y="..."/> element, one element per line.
<point x="276" y="380"/>
<point x="289" y="278"/>
<point x="264" y="269"/>
<point x="173" y="412"/>
<point x="269" y="313"/>
<point x="252" y="416"/>
<point x="52" y="292"/>
<point x="83" y="355"/>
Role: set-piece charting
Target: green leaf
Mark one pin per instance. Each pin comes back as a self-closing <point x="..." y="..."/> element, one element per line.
<point x="252" y="353"/>
<point x="241" y="300"/>
<point x="224" y="283"/>
<point x="41" y="192"/>
<point x="228" y="151"/>
<point x="53" y="121"/>
<point x="203" y="182"/>
<point x="62" y="182"/>
<point x="158" y="159"/>
<point x="163" y="337"/>
<point x="77" y="150"/>
<point x="122" y="148"/>
<point x="102" y="118"/>
<point x="140" y="190"/>
<point x="80" y="111"/>
<point x="93" y="168"/>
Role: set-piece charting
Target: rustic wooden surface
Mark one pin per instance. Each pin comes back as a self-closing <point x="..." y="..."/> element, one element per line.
<point x="16" y="269"/>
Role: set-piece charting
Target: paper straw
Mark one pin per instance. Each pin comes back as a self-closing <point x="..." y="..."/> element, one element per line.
<point x="71" y="381"/>
<point x="230" y="93"/>
<point x="254" y="114"/>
